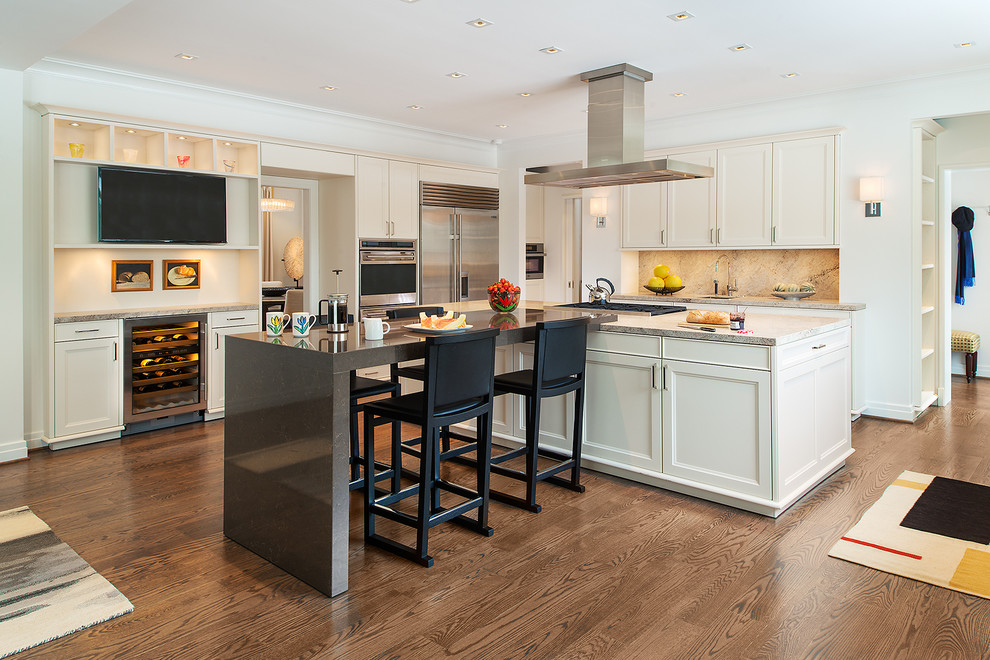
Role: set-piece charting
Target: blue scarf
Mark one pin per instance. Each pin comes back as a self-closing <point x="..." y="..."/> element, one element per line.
<point x="962" y="219"/>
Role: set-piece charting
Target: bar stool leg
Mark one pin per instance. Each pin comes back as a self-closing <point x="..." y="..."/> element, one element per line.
<point x="427" y="494"/>
<point x="369" y="471"/>
<point x="396" y="457"/>
<point x="532" y="451"/>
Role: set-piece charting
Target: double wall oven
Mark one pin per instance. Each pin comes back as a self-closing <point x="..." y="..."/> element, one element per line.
<point x="535" y="257"/>
<point x="388" y="276"/>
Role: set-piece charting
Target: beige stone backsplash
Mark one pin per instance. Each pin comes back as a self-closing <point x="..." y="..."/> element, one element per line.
<point x="756" y="271"/>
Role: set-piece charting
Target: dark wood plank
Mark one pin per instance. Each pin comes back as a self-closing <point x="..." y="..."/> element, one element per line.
<point x="622" y="570"/>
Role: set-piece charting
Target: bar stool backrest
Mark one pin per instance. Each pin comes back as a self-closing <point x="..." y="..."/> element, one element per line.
<point x="460" y="367"/>
<point x="413" y="312"/>
<point x="560" y="349"/>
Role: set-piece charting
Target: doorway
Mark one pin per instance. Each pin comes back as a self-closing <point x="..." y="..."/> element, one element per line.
<point x="289" y="235"/>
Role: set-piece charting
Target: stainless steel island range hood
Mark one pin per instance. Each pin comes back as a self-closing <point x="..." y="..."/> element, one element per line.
<point x="615" y="137"/>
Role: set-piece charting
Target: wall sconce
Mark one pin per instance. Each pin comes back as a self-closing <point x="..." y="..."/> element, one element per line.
<point x="871" y="192"/>
<point x="599" y="209"/>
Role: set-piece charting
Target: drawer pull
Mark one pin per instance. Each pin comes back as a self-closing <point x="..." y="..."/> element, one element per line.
<point x="815" y="348"/>
<point x="90" y="330"/>
<point x="235" y="318"/>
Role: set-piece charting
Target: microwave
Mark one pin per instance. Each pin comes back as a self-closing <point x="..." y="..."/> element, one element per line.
<point x="535" y="257"/>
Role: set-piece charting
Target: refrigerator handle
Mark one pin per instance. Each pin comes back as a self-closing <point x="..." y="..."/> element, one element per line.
<point x="459" y="277"/>
<point x="464" y="286"/>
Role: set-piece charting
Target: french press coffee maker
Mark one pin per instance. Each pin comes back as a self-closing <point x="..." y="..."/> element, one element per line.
<point x="336" y="308"/>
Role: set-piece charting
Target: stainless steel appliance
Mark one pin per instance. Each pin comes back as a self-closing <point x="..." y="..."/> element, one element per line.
<point x="458" y="242"/>
<point x="388" y="275"/>
<point x="164" y="360"/>
<point x="599" y="294"/>
<point x="535" y="257"/>
<point x="629" y="308"/>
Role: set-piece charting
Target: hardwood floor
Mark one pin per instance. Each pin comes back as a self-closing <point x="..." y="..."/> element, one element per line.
<point x="622" y="571"/>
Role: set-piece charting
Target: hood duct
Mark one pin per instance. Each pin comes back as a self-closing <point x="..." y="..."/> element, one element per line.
<point x="615" y="137"/>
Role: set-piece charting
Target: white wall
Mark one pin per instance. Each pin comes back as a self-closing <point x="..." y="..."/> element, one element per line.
<point x="12" y="444"/>
<point x="875" y="255"/>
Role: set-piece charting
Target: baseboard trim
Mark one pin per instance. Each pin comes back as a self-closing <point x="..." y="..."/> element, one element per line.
<point x="15" y="450"/>
<point x="890" y="411"/>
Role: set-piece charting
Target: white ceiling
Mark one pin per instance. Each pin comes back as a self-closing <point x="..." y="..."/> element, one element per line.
<point x="385" y="55"/>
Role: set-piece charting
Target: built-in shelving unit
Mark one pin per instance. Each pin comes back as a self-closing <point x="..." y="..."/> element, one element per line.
<point x="79" y="269"/>
<point x="926" y="330"/>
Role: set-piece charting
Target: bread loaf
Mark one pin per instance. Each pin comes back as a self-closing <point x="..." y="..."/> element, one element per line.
<point x="707" y="316"/>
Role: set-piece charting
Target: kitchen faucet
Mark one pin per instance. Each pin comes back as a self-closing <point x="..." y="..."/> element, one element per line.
<point x="729" y="288"/>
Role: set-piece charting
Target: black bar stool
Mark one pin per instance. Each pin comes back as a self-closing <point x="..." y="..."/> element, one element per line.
<point x="459" y="386"/>
<point x="413" y="371"/>
<point x="558" y="368"/>
<point x="362" y="388"/>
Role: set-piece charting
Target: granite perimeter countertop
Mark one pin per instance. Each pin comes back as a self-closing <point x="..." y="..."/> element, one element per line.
<point x="762" y="329"/>
<point x="146" y="312"/>
<point x="810" y="303"/>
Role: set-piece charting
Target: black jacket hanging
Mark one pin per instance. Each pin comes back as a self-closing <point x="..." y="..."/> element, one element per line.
<point x="962" y="219"/>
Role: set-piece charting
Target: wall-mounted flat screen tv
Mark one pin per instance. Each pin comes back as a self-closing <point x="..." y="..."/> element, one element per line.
<point x="151" y="206"/>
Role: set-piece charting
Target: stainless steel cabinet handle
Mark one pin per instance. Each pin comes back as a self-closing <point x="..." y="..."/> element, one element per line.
<point x="815" y="348"/>
<point x="393" y="228"/>
<point x="773" y="234"/>
<point x="663" y="378"/>
<point x="236" y="318"/>
<point x="218" y="341"/>
<point x="653" y="374"/>
<point x="90" y="330"/>
<point x="662" y="242"/>
<point x="115" y="351"/>
<point x="718" y="233"/>
<point x="711" y="236"/>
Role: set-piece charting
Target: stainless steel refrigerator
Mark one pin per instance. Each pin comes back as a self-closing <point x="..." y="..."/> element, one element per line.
<point x="458" y="242"/>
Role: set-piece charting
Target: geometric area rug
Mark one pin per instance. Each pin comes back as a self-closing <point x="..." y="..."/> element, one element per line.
<point x="46" y="590"/>
<point x="927" y="528"/>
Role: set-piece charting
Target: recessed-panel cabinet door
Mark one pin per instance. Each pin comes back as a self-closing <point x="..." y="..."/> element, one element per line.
<point x="371" y="182"/>
<point x="87" y="386"/>
<point x="691" y="206"/>
<point x="403" y="199"/>
<point x="215" y="373"/>
<point x="644" y="215"/>
<point x="804" y="191"/>
<point x="744" y="201"/>
<point x="623" y="422"/>
<point x="716" y="426"/>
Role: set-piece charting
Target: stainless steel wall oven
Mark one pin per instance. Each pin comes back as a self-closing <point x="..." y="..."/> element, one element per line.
<point x="388" y="276"/>
<point x="535" y="257"/>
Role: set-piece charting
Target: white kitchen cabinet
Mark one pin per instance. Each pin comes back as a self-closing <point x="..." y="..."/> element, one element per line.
<point x="644" y="215"/>
<point x="716" y="426"/>
<point x="811" y="394"/>
<point x="88" y="376"/>
<point x="744" y="204"/>
<point x="535" y="232"/>
<point x="691" y="205"/>
<point x="623" y="428"/>
<point x="804" y="192"/>
<point x="535" y="290"/>
<point x="387" y="198"/>
<point x="223" y="324"/>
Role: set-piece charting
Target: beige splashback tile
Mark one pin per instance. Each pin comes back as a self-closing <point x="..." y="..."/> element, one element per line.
<point x="756" y="271"/>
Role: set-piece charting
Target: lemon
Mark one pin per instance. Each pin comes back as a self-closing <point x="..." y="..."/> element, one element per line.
<point x="655" y="282"/>
<point x="672" y="281"/>
<point x="661" y="271"/>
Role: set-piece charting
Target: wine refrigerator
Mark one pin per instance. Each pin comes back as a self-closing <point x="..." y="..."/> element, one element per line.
<point x="164" y="366"/>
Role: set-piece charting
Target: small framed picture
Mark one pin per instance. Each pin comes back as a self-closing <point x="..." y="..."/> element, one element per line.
<point x="180" y="274"/>
<point x="131" y="276"/>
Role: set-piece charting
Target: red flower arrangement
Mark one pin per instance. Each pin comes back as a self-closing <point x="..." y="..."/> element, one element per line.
<point x="503" y="296"/>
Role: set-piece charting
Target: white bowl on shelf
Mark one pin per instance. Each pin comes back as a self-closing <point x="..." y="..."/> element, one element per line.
<point x="793" y="295"/>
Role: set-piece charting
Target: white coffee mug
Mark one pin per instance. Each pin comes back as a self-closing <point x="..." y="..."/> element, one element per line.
<point x="375" y="328"/>
<point x="301" y="323"/>
<point x="275" y="323"/>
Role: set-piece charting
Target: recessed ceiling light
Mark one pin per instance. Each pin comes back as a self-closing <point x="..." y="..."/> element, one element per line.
<point x="409" y="0"/>
<point x="680" y="16"/>
<point x="182" y="137"/>
<point x="551" y="50"/>
<point x="131" y="131"/>
<point x="415" y="107"/>
<point x="187" y="56"/>
<point x="679" y="94"/>
<point x="525" y="94"/>
<point x="792" y="74"/>
<point x="965" y="44"/>
<point x="740" y="47"/>
<point x="479" y="22"/>
<point x="456" y="74"/>
<point x="328" y="88"/>
<point x="501" y="125"/>
<point x="75" y="123"/>
<point x="226" y="144"/>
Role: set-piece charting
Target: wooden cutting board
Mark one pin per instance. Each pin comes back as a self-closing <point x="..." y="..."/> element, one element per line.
<point x="696" y="326"/>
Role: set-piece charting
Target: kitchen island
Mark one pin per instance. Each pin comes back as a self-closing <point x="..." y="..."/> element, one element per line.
<point x="750" y="420"/>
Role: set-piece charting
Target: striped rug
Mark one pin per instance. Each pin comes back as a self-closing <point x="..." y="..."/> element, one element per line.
<point x="46" y="590"/>
<point x="927" y="528"/>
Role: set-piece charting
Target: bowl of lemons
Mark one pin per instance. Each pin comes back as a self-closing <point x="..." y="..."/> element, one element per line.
<point x="792" y="291"/>
<point x="664" y="282"/>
